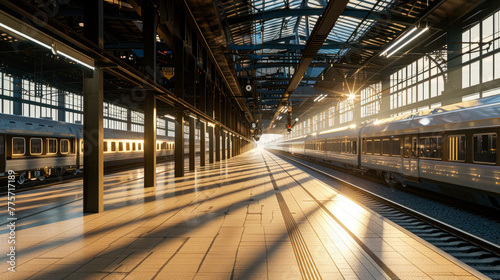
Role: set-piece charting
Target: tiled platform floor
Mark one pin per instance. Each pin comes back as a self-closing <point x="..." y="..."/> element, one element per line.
<point x="227" y="220"/>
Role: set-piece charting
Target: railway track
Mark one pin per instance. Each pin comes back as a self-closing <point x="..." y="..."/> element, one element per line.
<point x="478" y="253"/>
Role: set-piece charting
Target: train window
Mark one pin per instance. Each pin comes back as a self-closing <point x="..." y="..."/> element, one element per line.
<point x="105" y="146"/>
<point x="386" y="147"/>
<point x="424" y="146"/>
<point x="173" y="146"/>
<point x="456" y="148"/>
<point x="113" y="146"/>
<point x="431" y="147"/>
<point x="139" y="146"/>
<point x="354" y="147"/>
<point x="414" y="147"/>
<point x="157" y="146"/>
<point x="437" y="147"/>
<point x="127" y="146"/>
<point x="164" y="145"/>
<point x="51" y="146"/>
<point x="369" y="147"/>
<point x="36" y="146"/>
<point x="348" y="147"/>
<point x="396" y="147"/>
<point x="376" y="146"/>
<point x="133" y="146"/>
<point x="363" y="146"/>
<point x="342" y="145"/>
<point x="64" y="146"/>
<point x="120" y="146"/>
<point x="485" y="148"/>
<point x="18" y="146"/>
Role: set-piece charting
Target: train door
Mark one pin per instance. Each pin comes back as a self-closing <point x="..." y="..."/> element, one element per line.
<point x="3" y="163"/>
<point x="410" y="156"/>
<point x="414" y="157"/>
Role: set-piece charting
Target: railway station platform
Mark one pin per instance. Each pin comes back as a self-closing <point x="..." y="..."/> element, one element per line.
<point x="253" y="216"/>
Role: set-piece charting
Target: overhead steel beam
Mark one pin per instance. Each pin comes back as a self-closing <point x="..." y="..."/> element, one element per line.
<point x="349" y="12"/>
<point x="318" y="36"/>
<point x="284" y="46"/>
<point x="114" y="65"/>
<point x="285" y="64"/>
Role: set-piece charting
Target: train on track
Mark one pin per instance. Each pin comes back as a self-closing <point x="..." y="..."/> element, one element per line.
<point x="39" y="148"/>
<point x="450" y="150"/>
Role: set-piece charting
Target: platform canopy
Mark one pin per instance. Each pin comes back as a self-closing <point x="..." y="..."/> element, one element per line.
<point x="292" y="51"/>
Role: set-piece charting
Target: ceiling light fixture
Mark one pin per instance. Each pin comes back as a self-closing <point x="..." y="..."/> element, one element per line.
<point x="403" y="41"/>
<point x="320" y="98"/>
<point x="43" y="45"/>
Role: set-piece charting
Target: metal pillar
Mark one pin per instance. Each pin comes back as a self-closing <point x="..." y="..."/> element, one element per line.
<point x="223" y="136"/>
<point x="179" y="143"/>
<point x="210" y="144"/>
<point x="61" y="112"/>
<point x="203" y="151"/>
<point x="192" y="152"/>
<point x="217" y="142"/>
<point x="149" y="37"/>
<point x="150" y="140"/>
<point x="93" y="137"/>
<point x="18" y="96"/>
<point x="93" y="132"/>
<point x="229" y="145"/>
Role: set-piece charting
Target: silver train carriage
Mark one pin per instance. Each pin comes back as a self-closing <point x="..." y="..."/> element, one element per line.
<point x="38" y="148"/>
<point x="450" y="150"/>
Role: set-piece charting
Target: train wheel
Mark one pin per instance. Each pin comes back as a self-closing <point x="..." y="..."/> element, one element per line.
<point x="389" y="179"/>
<point x="22" y="178"/>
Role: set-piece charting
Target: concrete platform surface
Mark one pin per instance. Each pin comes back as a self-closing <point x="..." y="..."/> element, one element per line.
<point x="253" y="216"/>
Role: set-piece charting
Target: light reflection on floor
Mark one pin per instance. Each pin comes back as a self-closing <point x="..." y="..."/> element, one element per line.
<point x="221" y="221"/>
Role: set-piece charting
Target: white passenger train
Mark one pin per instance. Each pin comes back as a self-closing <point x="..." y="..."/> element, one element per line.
<point x="450" y="150"/>
<point x="38" y="148"/>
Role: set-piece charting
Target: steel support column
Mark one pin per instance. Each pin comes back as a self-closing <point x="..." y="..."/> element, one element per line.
<point x="223" y="136"/>
<point x="229" y="137"/>
<point x="210" y="144"/>
<point x="150" y="140"/>
<point x="149" y="37"/>
<point x="93" y="132"/>
<point x="93" y="136"/>
<point x="192" y="152"/>
<point x="217" y="142"/>
<point x="203" y="151"/>
<point x="179" y="143"/>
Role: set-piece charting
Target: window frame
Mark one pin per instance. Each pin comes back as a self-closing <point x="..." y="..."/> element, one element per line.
<point x="388" y="141"/>
<point x="393" y="140"/>
<point x="379" y="152"/>
<point x="369" y="147"/>
<point x="41" y="146"/>
<point x="48" y="146"/>
<point x="449" y="147"/>
<point x="24" y="146"/>
<point x="60" y="146"/>
<point x="474" y="152"/>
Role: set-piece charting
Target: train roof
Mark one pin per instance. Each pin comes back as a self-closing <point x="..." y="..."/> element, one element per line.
<point x="481" y="112"/>
<point x="21" y="125"/>
<point x="34" y="126"/>
<point x="342" y="132"/>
